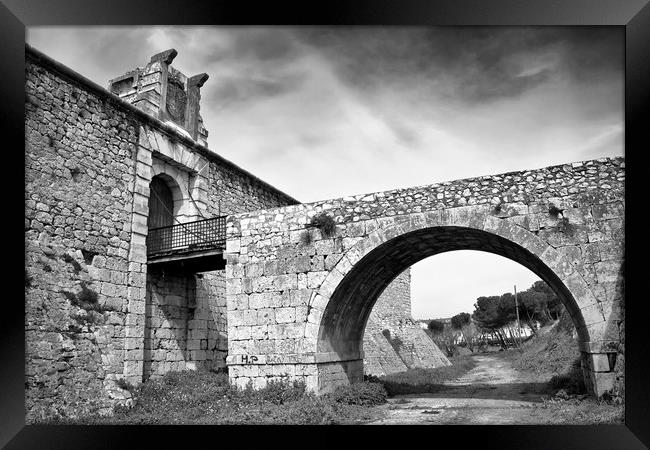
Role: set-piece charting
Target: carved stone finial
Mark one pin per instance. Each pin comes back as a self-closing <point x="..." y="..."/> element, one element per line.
<point x="197" y="80"/>
<point x="167" y="56"/>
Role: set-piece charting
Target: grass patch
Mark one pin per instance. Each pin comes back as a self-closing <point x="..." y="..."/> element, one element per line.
<point x="552" y="354"/>
<point x="364" y="394"/>
<point x="572" y="382"/>
<point x="579" y="412"/>
<point x="553" y="351"/>
<point x="205" y="397"/>
<point x="420" y="381"/>
<point x="123" y="384"/>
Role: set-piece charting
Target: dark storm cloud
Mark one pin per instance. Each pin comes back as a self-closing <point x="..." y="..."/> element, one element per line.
<point x="241" y="89"/>
<point x="404" y="133"/>
<point x="99" y="53"/>
<point x="474" y="64"/>
<point x="251" y="64"/>
<point x="594" y="52"/>
<point x="245" y="44"/>
<point x="125" y="45"/>
<point x="265" y="45"/>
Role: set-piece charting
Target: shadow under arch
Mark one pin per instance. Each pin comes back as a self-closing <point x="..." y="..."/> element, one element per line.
<point x="348" y="307"/>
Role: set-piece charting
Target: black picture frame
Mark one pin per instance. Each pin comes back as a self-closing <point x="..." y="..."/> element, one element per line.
<point x="633" y="15"/>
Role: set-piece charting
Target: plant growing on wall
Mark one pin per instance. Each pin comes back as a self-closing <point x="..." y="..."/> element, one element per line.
<point x="88" y="300"/>
<point x="554" y="210"/>
<point x="324" y="223"/>
<point x="306" y="238"/>
<point x="70" y="260"/>
<point x="565" y="227"/>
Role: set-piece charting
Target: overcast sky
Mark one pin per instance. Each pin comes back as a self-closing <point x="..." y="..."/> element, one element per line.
<point x="328" y="112"/>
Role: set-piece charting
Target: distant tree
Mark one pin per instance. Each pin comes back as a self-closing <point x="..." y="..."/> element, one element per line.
<point x="447" y="341"/>
<point x="470" y="335"/>
<point x="548" y="305"/>
<point x="540" y="286"/>
<point x="436" y="326"/>
<point x="555" y="307"/>
<point x="532" y="305"/>
<point x="443" y="336"/>
<point x="495" y="314"/>
<point x="491" y="314"/>
<point x="460" y="320"/>
<point x="487" y="313"/>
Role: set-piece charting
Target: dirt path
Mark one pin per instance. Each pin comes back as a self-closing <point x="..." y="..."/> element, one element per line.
<point x="491" y="393"/>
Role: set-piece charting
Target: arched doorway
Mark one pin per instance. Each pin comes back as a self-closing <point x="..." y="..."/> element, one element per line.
<point x="163" y="209"/>
<point x="161" y="204"/>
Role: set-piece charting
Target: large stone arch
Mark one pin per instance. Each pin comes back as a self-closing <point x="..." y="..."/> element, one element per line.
<point x="342" y="304"/>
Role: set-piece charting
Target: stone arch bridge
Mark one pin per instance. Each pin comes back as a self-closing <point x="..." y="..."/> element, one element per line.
<point x="298" y="300"/>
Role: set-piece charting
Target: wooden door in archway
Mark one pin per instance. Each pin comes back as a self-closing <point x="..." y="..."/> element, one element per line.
<point x="161" y="205"/>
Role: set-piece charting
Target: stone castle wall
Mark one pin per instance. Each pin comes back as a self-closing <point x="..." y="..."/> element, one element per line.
<point x="392" y="341"/>
<point x="94" y="313"/>
<point x="79" y="189"/>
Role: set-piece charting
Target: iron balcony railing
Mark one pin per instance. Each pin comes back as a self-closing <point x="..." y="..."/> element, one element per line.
<point x="207" y="234"/>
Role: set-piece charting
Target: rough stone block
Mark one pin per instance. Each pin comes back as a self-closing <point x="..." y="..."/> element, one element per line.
<point x="254" y="270"/>
<point x="265" y="316"/>
<point x="232" y="245"/>
<point x="602" y="382"/>
<point x="315" y="279"/>
<point x="600" y="362"/>
<point x="608" y="271"/>
<point x="285" y="315"/>
<point x="240" y="301"/>
<point x="234" y="286"/>
<point x="610" y="250"/>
